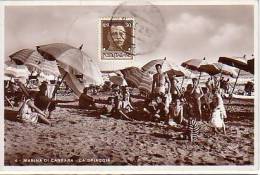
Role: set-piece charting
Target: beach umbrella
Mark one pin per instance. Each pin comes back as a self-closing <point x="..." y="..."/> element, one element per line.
<point x="49" y="68"/>
<point x="137" y="78"/>
<point x="71" y="60"/>
<point x="194" y="65"/>
<point x="150" y="66"/>
<point x="118" y="80"/>
<point x="209" y="68"/>
<point x="251" y="65"/>
<point x="238" y="62"/>
<point x="16" y="71"/>
<point x="178" y="71"/>
<point x="21" y="56"/>
<point x="227" y="70"/>
<point x="33" y="61"/>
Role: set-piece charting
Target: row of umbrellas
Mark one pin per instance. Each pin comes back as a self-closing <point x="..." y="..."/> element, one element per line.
<point x="142" y="79"/>
<point x="68" y="61"/>
<point x="60" y="59"/>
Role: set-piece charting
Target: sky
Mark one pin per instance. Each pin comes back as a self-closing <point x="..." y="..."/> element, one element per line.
<point x="183" y="31"/>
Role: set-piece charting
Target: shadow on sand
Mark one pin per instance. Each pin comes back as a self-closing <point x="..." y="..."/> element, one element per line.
<point x="11" y="115"/>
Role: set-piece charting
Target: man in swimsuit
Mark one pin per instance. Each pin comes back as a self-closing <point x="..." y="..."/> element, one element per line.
<point x="159" y="81"/>
<point x="197" y="93"/>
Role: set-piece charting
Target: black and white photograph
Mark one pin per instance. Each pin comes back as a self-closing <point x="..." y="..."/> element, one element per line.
<point x="186" y="94"/>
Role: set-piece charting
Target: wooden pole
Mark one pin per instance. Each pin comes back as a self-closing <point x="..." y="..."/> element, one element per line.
<point x="234" y="86"/>
<point x="199" y="79"/>
<point x="55" y="90"/>
<point x="182" y="81"/>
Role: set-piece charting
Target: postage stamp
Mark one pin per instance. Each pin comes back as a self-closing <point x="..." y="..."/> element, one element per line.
<point x="117" y="38"/>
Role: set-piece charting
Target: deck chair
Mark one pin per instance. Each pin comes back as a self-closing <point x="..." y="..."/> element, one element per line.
<point x="24" y="90"/>
<point x="8" y="101"/>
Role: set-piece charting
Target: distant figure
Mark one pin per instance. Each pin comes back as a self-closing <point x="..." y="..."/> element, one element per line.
<point x="42" y="101"/>
<point x="159" y="81"/>
<point x="249" y="88"/>
<point x="209" y="85"/>
<point x="116" y="37"/>
<point x="30" y="113"/>
<point x="226" y="86"/>
<point x="86" y="101"/>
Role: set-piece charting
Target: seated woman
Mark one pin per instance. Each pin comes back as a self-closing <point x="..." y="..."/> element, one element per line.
<point x="123" y="104"/>
<point x="30" y="113"/>
<point x="157" y="108"/>
<point x="43" y="102"/>
<point x="176" y="112"/>
<point x="86" y="101"/>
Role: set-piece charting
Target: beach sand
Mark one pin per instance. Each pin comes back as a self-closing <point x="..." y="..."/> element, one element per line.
<point x="78" y="137"/>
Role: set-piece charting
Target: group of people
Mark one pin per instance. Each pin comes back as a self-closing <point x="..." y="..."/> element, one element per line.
<point x="186" y="106"/>
<point x="167" y="102"/>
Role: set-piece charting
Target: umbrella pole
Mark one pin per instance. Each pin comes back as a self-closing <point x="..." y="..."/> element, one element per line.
<point x="199" y="79"/>
<point x="234" y="86"/>
<point x="182" y="81"/>
<point x="55" y="90"/>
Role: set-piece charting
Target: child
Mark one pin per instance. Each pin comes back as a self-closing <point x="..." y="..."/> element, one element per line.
<point x="191" y="130"/>
<point x="218" y="114"/>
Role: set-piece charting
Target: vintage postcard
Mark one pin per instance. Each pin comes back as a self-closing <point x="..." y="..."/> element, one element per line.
<point x="157" y="85"/>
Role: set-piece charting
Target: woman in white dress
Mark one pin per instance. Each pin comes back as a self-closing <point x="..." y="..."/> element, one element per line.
<point x="218" y="113"/>
<point x="29" y="113"/>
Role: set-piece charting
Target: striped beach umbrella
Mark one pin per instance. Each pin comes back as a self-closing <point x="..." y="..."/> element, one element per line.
<point x="21" y="56"/>
<point x="118" y="80"/>
<point x="50" y="68"/>
<point x="137" y="78"/>
<point x="33" y="61"/>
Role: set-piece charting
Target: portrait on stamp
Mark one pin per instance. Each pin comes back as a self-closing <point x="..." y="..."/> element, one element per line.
<point x="117" y="39"/>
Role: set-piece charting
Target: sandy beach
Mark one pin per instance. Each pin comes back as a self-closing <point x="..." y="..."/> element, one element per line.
<point x="80" y="137"/>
